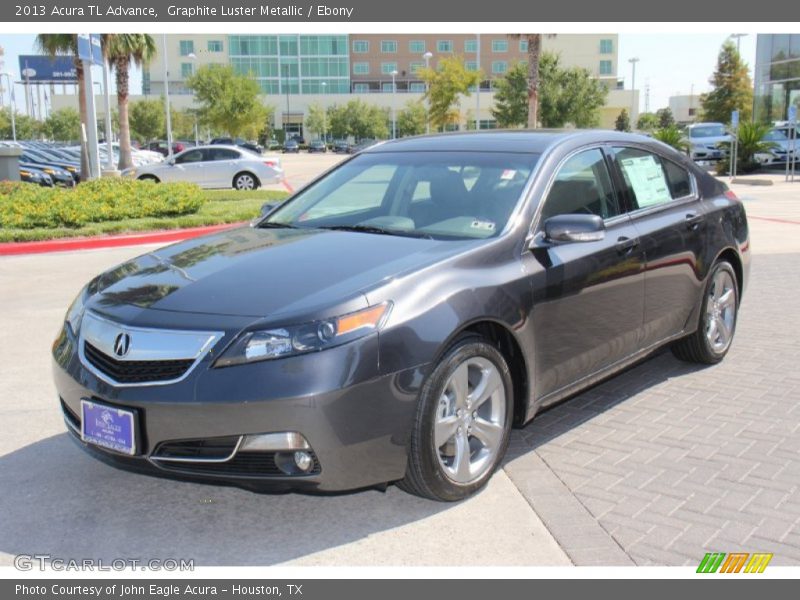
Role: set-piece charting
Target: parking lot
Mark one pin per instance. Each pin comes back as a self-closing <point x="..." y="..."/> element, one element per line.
<point x="656" y="466"/>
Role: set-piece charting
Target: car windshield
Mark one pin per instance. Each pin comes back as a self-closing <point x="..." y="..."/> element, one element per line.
<point x="702" y="131"/>
<point x="441" y="195"/>
<point x="775" y="135"/>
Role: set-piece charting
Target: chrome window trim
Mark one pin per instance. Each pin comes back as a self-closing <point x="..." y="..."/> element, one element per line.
<point x="212" y="337"/>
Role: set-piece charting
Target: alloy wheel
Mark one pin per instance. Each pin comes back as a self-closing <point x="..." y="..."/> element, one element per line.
<point x="721" y="311"/>
<point x="245" y="182"/>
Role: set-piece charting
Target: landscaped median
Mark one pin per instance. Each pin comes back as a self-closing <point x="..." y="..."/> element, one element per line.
<point x="103" y="207"/>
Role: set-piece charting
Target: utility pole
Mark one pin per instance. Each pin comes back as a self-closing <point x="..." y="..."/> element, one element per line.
<point x="633" y="62"/>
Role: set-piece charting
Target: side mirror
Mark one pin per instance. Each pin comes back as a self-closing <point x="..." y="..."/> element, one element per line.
<point x="171" y="162"/>
<point x="266" y="209"/>
<point x="574" y="228"/>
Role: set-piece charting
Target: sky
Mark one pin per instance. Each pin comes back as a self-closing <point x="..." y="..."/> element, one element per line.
<point x="670" y="63"/>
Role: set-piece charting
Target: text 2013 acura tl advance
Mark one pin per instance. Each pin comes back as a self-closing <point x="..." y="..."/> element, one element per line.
<point x="392" y="321"/>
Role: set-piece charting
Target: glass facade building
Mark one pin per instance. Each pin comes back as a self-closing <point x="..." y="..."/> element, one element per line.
<point x="307" y="64"/>
<point x="777" y="76"/>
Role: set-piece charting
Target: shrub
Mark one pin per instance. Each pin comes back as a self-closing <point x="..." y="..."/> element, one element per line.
<point x="26" y="206"/>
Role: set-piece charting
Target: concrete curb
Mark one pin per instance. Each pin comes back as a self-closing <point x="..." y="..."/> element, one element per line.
<point x="110" y="241"/>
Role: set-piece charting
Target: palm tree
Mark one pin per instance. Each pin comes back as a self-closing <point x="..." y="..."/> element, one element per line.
<point x="534" y="54"/>
<point x="121" y="50"/>
<point x="55" y="44"/>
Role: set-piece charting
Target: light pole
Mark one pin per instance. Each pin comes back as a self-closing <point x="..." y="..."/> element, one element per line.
<point x="288" y="111"/>
<point x="324" y="116"/>
<point x="633" y="62"/>
<point x="427" y="56"/>
<point x="738" y="37"/>
<point x="394" y="89"/>
<point x="192" y="56"/>
<point x="13" y="105"/>
<point x="107" y="94"/>
<point x="166" y="97"/>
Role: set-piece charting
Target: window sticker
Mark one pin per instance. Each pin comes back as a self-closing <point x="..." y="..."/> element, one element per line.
<point x="647" y="179"/>
<point x="508" y="174"/>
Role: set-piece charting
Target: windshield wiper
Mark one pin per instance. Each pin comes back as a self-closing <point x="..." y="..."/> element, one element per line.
<point x="275" y="225"/>
<point x="378" y="230"/>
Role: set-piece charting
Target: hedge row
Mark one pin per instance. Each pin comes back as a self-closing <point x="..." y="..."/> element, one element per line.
<point x="27" y="206"/>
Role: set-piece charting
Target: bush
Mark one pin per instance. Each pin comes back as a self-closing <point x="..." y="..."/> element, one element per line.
<point x="26" y="206"/>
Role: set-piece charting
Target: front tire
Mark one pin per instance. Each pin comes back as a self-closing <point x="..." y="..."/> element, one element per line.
<point x="712" y="340"/>
<point x="463" y="422"/>
<point x="245" y="181"/>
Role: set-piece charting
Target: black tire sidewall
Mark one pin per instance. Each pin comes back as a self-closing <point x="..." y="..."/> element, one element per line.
<point x="432" y="472"/>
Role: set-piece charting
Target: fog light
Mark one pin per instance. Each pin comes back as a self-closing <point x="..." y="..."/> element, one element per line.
<point x="303" y="460"/>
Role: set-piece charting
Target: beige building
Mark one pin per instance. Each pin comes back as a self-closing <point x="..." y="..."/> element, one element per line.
<point x="685" y="108"/>
<point x="296" y="71"/>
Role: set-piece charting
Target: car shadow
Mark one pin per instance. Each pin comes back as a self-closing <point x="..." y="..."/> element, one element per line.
<point x="58" y="501"/>
<point x="576" y="410"/>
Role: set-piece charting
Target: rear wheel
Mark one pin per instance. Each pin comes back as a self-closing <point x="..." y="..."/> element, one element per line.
<point x="463" y="422"/>
<point x="245" y="181"/>
<point x="712" y="340"/>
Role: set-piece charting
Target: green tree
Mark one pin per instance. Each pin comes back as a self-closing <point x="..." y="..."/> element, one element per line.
<point x="665" y="117"/>
<point x="445" y="84"/>
<point x="731" y="90"/>
<point x="146" y="119"/>
<point x="66" y="44"/>
<point x="623" y="122"/>
<point x="63" y="125"/>
<point x="367" y="121"/>
<point x="568" y="95"/>
<point x="511" y="97"/>
<point x="228" y="101"/>
<point x="317" y="120"/>
<point x="182" y="122"/>
<point x="338" y="124"/>
<point x="647" y="122"/>
<point x="27" y="127"/>
<point x="411" y="119"/>
<point x="122" y="50"/>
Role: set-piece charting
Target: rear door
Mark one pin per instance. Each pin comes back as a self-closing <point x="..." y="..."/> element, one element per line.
<point x="589" y="296"/>
<point x="221" y="166"/>
<point x="669" y="218"/>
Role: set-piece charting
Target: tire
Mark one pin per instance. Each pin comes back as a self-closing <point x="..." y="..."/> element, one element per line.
<point x="717" y="322"/>
<point x="245" y="181"/>
<point x="458" y="464"/>
<point x="152" y="178"/>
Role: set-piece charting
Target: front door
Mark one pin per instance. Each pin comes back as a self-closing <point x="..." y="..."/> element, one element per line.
<point x="588" y="296"/>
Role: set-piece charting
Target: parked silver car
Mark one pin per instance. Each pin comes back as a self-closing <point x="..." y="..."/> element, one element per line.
<point x="216" y="166"/>
<point x="706" y="141"/>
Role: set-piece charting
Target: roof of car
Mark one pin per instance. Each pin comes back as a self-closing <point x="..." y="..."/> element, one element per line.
<point x="501" y="141"/>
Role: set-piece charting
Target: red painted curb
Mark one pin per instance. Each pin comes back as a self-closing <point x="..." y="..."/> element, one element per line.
<point x="110" y="241"/>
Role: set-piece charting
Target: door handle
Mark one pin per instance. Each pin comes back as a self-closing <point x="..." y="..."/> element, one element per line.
<point x="693" y="221"/>
<point x="625" y="245"/>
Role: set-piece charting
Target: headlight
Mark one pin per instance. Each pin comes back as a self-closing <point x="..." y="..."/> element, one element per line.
<point x="72" y="169"/>
<point x="49" y="171"/>
<point x="300" y="339"/>
<point x="75" y="312"/>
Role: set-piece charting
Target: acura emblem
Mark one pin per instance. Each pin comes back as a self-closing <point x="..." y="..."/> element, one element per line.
<point x="122" y="344"/>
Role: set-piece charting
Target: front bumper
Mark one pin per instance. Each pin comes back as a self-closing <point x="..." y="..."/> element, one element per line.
<point x="355" y="420"/>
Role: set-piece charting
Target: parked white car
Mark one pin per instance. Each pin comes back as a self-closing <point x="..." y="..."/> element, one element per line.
<point x="216" y="166"/>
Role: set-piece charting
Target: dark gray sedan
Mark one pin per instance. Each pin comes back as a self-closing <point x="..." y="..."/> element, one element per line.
<point x="393" y="320"/>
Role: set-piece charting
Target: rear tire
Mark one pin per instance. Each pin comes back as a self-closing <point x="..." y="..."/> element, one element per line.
<point x="463" y="422"/>
<point x="245" y="181"/>
<point x="717" y="322"/>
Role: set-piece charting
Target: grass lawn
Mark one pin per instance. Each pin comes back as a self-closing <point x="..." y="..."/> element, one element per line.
<point x="221" y="206"/>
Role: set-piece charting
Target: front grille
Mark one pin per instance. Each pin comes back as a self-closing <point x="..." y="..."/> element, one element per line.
<point x="248" y="464"/>
<point x="135" y="371"/>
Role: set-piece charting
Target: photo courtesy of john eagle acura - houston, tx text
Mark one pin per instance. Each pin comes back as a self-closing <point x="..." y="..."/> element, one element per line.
<point x="394" y="319"/>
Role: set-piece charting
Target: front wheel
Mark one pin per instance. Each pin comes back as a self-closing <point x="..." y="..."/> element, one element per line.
<point x="712" y="340"/>
<point x="245" y="181"/>
<point x="463" y="422"/>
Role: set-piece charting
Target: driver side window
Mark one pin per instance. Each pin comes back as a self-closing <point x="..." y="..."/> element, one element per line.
<point x="190" y="157"/>
<point x="582" y="186"/>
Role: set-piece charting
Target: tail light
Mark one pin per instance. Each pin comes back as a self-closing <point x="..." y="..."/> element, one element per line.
<point x="731" y="196"/>
<point x="270" y="163"/>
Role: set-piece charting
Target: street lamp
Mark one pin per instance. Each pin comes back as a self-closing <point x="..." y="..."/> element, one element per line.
<point x="428" y="56"/>
<point x="13" y="104"/>
<point x="738" y="37"/>
<point x="286" y="120"/>
<point x="633" y="62"/>
<point x="166" y="97"/>
<point x="394" y="89"/>
<point x="193" y="56"/>
<point x="324" y="116"/>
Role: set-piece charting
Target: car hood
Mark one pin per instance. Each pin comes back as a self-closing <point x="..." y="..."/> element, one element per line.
<point x="263" y="272"/>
